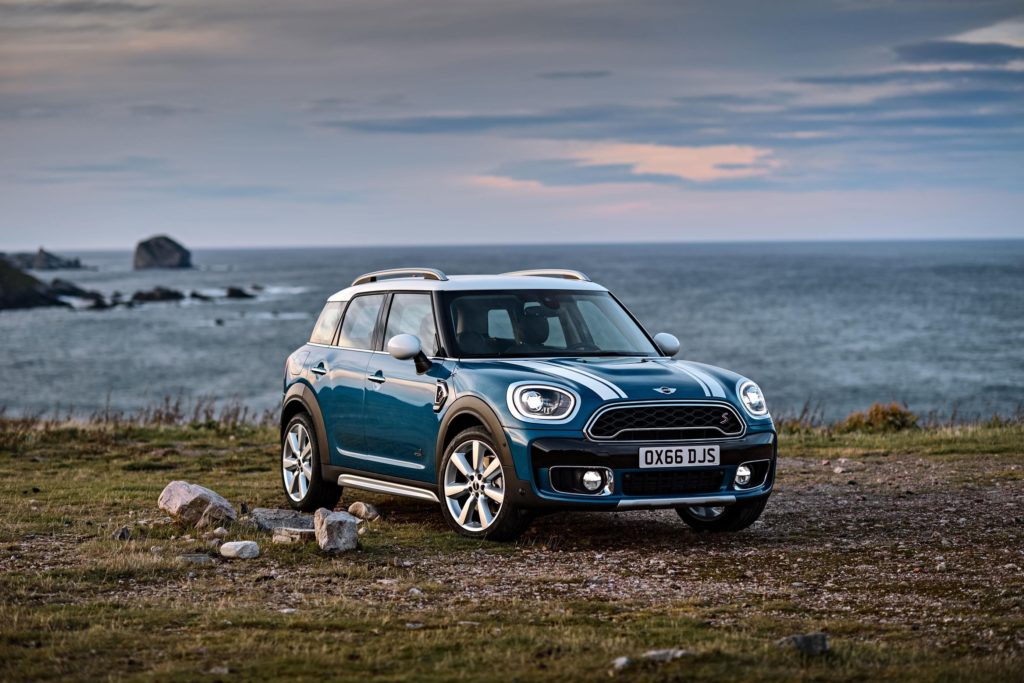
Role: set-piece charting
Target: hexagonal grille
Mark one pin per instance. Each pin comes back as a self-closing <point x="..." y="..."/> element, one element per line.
<point x="672" y="422"/>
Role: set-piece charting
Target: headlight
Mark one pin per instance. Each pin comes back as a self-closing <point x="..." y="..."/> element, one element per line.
<point x="752" y="399"/>
<point x="541" y="402"/>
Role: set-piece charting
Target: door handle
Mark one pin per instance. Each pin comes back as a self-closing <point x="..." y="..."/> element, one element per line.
<point x="319" y="369"/>
<point x="377" y="377"/>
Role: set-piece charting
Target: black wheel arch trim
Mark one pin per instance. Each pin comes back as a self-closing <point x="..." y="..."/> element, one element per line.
<point x="304" y="395"/>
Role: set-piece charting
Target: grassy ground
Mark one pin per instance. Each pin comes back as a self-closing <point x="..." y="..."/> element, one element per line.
<point x="906" y="548"/>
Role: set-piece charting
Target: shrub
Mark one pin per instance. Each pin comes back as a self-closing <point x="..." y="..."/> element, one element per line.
<point x="879" y="418"/>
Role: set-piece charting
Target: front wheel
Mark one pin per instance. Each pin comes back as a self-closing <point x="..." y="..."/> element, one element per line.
<point x="300" y="468"/>
<point x="473" y="482"/>
<point x="723" y="518"/>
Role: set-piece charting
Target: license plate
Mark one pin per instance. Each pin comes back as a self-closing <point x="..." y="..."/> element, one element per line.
<point x="653" y="457"/>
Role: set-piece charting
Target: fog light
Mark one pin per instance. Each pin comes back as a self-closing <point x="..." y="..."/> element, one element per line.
<point x="592" y="480"/>
<point x="742" y="475"/>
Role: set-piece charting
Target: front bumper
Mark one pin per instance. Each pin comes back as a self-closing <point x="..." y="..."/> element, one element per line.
<point x="632" y="487"/>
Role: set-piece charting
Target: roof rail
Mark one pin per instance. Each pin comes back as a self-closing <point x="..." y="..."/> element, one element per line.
<point x="552" y="272"/>
<point x="425" y="273"/>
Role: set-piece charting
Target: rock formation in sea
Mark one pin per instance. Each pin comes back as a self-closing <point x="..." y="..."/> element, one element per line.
<point x="161" y="252"/>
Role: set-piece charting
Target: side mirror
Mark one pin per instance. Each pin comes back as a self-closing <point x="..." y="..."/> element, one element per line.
<point x="406" y="346"/>
<point x="668" y="343"/>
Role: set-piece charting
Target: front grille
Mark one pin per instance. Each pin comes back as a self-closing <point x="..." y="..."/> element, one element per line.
<point x="670" y="483"/>
<point x="666" y="422"/>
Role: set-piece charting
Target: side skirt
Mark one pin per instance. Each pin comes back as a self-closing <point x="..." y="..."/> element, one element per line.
<point x="378" y="486"/>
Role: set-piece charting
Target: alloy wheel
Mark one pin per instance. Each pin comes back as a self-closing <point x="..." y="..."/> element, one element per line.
<point x="297" y="462"/>
<point x="706" y="513"/>
<point x="474" y="485"/>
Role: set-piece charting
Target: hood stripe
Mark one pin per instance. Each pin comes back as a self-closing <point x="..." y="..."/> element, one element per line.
<point x="679" y="368"/>
<point x="605" y="390"/>
<point x="714" y="385"/>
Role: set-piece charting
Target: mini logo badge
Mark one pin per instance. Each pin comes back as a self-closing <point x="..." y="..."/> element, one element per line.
<point x="665" y="390"/>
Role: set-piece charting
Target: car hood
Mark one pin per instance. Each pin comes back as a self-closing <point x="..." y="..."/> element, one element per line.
<point x="637" y="379"/>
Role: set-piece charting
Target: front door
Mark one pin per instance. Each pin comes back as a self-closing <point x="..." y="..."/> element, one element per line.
<point x="399" y="418"/>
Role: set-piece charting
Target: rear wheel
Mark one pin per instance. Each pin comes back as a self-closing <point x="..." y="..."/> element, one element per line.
<point x="723" y="518"/>
<point x="303" y="483"/>
<point x="472" y="484"/>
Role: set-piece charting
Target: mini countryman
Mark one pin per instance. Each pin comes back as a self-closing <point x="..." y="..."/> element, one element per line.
<point x="500" y="396"/>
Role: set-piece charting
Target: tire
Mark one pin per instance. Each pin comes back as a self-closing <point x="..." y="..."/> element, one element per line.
<point x="472" y="482"/>
<point x="726" y="519"/>
<point x="301" y="478"/>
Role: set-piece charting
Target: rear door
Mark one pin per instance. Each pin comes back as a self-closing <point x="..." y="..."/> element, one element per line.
<point x="401" y="425"/>
<point x="340" y="372"/>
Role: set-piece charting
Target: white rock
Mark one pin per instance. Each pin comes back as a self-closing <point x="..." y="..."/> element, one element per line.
<point x="664" y="655"/>
<point x="363" y="511"/>
<point x="288" y="535"/>
<point x="220" y="532"/>
<point x="415" y="592"/>
<point x="620" y="663"/>
<point x="240" y="550"/>
<point x="195" y="505"/>
<point x="336" y="532"/>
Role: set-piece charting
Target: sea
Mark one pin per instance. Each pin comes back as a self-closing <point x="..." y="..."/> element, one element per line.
<point x="823" y="327"/>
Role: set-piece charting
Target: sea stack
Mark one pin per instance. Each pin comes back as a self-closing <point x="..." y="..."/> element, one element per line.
<point x="161" y="252"/>
<point x="21" y="290"/>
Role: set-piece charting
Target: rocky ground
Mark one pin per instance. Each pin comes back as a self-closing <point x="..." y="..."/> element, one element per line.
<point x="906" y="550"/>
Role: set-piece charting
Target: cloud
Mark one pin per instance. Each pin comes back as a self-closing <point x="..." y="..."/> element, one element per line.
<point x="574" y="75"/>
<point x="161" y="111"/>
<point x="136" y="165"/>
<point x="697" y="164"/>
<point x="475" y="123"/>
<point x="71" y="8"/>
<point x="953" y="52"/>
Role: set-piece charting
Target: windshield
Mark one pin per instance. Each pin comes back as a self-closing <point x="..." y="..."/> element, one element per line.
<point x="520" y="323"/>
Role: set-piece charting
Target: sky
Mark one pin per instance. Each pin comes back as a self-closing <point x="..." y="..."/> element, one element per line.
<point x="248" y="123"/>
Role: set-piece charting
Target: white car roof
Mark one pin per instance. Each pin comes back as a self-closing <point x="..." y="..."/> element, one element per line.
<point x="467" y="282"/>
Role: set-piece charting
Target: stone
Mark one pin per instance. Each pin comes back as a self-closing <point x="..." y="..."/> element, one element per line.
<point x="286" y="535"/>
<point x="161" y="252"/>
<point x="268" y="519"/>
<point x="415" y="592"/>
<point x="194" y="505"/>
<point x="808" y="644"/>
<point x="41" y="260"/>
<point x="664" y="655"/>
<point x="157" y="294"/>
<point x="196" y="558"/>
<point x="21" y="290"/>
<point x="336" y="532"/>
<point x="220" y="532"/>
<point x="240" y="550"/>
<point x="237" y="293"/>
<point x="122" y="534"/>
<point x="621" y="663"/>
<point x="363" y="511"/>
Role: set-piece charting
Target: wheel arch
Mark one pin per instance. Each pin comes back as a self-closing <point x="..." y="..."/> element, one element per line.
<point x="466" y="412"/>
<point x="301" y="399"/>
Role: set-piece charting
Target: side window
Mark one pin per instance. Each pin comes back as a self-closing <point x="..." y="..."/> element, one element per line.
<point x="326" y="324"/>
<point x="360" y="319"/>
<point x="413" y="314"/>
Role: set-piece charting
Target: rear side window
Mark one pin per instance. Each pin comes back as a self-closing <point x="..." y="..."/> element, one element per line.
<point x="413" y="314"/>
<point x="326" y="324"/>
<point x="360" y="319"/>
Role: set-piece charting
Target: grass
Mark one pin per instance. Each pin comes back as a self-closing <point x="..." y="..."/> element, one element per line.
<point x="77" y="604"/>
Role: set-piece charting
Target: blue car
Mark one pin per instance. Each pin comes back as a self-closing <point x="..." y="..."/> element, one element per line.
<point x="502" y="396"/>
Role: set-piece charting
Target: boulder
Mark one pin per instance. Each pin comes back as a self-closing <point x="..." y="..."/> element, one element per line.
<point x="268" y="519"/>
<point x="237" y="293"/>
<point x="336" y="532"/>
<point x="199" y="296"/>
<point x="808" y="644"/>
<point x="157" y="294"/>
<point x="194" y="505"/>
<point x="363" y="511"/>
<point x="161" y="252"/>
<point x="286" y="535"/>
<point x="240" y="550"/>
<point x="21" y="290"/>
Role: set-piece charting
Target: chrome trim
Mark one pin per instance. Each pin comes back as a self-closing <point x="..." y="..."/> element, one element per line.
<point x="377" y="486"/>
<point x="640" y="404"/>
<point x="751" y="486"/>
<point x="563" y="273"/>
<point x="607" y="490"/>
<point x="510" y="399"/>
<point x="381" y="459"/>
<point x="634" y="503"/>
<point x="425" y="273"/>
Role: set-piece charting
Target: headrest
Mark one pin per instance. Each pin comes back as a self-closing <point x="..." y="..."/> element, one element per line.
<point x="535" y="328"/>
